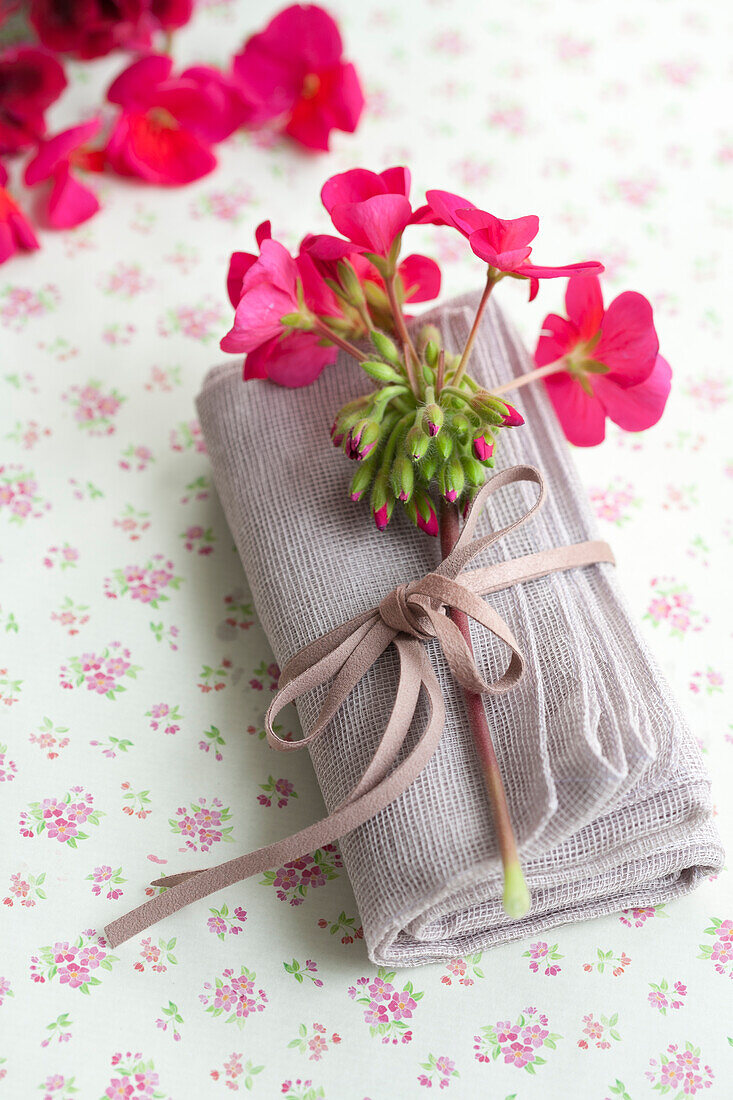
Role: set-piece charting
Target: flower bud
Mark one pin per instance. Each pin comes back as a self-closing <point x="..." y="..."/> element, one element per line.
<point x="473" y="470"/>
<point x="421" y="512"/>
<point x="512" y="419"/>
<point x="386" y="347"/>
<point x="452" y="479"/>
<point x="444" y="443"/>
<point x="433" y="415"/>
<point x="362" y="439"/>
<point x="429" y="334"/>
<point x="461" y="425"/>
<point x="381" y="372"/>
<point x="417" y="442"/>
<point x="362" y="479"/>
<point x="482" y="448"/>
<point x="350" y="282"/>
<point x="428" y="466"/>
<point x="403" y="478"/>
<point x="486" y="411"/>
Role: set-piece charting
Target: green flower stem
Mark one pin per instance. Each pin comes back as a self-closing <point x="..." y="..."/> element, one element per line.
<point x="339" y="341"/>
<point x="411" y="356"/>
<point x="516" y="896"/>
<point x="531" y="376"/>
<point x="491" y="280"/>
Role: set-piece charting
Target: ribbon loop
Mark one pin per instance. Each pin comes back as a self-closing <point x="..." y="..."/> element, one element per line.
<point x="407" y="616"/>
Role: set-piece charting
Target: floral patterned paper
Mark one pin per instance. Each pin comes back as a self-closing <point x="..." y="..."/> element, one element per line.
<point x="134" y="675"/>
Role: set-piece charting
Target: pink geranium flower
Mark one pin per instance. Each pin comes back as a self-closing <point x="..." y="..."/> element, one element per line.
<point x="612" y="363"/>
<point x="92" y="28"/>
<point x="292" y="74"/>
<point x="30" y="81"/>
<point x="167" y="124"/>
<point x="16" y="234"/>
<point x="69" y="202"/>
<point x="503" y="244"/>
<point x="371" y="209"/>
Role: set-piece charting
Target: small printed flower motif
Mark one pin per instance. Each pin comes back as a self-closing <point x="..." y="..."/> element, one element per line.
<point x="136" y="458"/>
<point x="25" y="889"/>
<point x="239" y="616"/>
<point x="301" y="1090"/>
<point x="720" y="952"/>
<point x="27" y="434"/>
<point x="48" y="740"/>
<point x="202" y="825"/>
<point x="309" y="970"/>
<point x="19" y="304"/>
<point x="163" y="379"/>
<point x="156" y="957"/>
<point x="58" y="1030"/>
<point x="84" y="490"/>
<point x="544" y="958"/>
<point x="227" y="206"/>
<point x="663" y="997"/>
<point x="65" y="556"/>
<point x="19" y="496"/>
<point x="345" y="925"/>
<point x="293" y="880"/>
<point x="94" y="410"/>
<point x="164" y="716"/>
<point x="314" y="1042"/>
<point x="516" y="1044"/>
<point x="213" y="742"/>
<point x="58" y="1087"/>
<point x="198" y="539"/>
<point x="101" y="672"/>
<point x="635" y="918"/>
<point x="148" y="584"/>
<point x="598" y="1032"/>
<point x="136" y="802"/>
<point x="214" y="679"/>
<point x="607" y="959"/>
<point x="187" y="436"/>
<point x="234" y="994"/>
<point x="60" y="818"/>
<point x="710" y="393"/>
<point x="387" y="1007"/>
<point x="172" y="1019"/>
<point x="133" y="1078"/>
<point x="106" y="880"/>
<point x="200" y="322"/>
<point x="167" y="634"/>
<point x="267" y="674"/>
<point x="8" y="621"/>
<point x="5" y="990"/>
<point x="8" y="768"/>
<point x="118" y="335"/>
<point x="440" y="1071"/>
<point x="463" y="971"/>
<point x="277" y="791"/>
<point x="679" y="1073"/>
<point x="236" y="1073"/>
<point x="71" y="616"/>
<point x="112" y="746"/>
<point x="132" y="522"/>
<point x="10" y="690"/>
<point x="711" y="681"/>
<point x="614" y="503"/>
<point x="222" y="924"/>
<point x="126" y="281"/>
<point x="76" y="965"/>
<point x="672" y="605"/>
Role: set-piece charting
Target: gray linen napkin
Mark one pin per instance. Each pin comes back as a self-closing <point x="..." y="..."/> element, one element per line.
<point x="606" y="786"/>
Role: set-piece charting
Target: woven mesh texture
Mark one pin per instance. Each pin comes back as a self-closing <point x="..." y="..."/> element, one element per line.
<point x="606" y="786"/>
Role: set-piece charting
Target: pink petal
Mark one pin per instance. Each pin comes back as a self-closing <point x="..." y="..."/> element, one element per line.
<point x="345" y="100"/>
<point x="503" y="235"/>
<point x="303" y="34"/>
<point x="397" y="180"/>
<point x="226" y="109"/>
<point x="353" y="186"/>
<point x="532" y="271"/>
<point x="420" y="278"/>
<point x="269" y="86"/>
<point x="70" y="202"/>
<point x="637" y="407"/>
<point x="629" y="344"/>
<point x="581" y="417"/>
<point x="318" y="296"/>
<point x="584" y="304"/>
<point x="558" y="337"/>
<point x="444" y="205"/>
<point x="134" y="85"/>
<point x="295" y="361"/>
<point x="373" y="223"/>
<point x="158" y="154"/>
<point x="53" y="151"/>
<point x="239" y="265"/>
<point x="15" y="229"/>
<point x="483" y="246"/>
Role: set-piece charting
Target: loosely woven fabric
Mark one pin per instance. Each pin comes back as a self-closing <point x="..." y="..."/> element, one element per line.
<point x="606" y="787"/>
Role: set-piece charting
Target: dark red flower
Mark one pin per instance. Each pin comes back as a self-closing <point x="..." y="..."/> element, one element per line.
<point x="93" y="28"/>
<point x="30" y="81"/>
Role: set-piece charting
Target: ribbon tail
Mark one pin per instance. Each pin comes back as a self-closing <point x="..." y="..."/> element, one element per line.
<point x="195" y="885"/>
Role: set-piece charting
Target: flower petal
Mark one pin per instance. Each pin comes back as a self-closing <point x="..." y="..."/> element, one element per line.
<point x="558" y="337"/>
<point x="420" y="278"/>
<point x="373" y="223"/>
<point x="133" y="86"/>
<point x="444" y="205"/>
<point x="581" y="417"/>
<point x="53" y="151"/>
<point x="637" y="407"/>
<point x="629" y="343"/>
<point x="70" y="202"/>
<point x="584" y="304"/>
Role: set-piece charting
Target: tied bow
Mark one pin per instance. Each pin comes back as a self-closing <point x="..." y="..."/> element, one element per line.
<point x="407" y="616"/>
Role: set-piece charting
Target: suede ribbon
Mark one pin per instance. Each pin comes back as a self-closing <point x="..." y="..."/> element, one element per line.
<point x="408" y="616"/>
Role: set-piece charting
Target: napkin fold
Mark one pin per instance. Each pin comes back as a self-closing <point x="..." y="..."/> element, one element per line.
<point x="606" y="786"/>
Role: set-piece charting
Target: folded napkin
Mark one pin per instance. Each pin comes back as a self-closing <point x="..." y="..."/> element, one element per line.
<point x="606" y="786"/>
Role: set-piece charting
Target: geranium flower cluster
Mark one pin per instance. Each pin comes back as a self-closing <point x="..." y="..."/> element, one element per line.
<point x="162" y="125"/>
<point x="426" y="422"/>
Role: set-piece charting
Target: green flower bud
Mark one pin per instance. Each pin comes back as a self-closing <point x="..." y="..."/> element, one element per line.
<point x="473" y="470"/>
<point x="433" y="418"/>
<point x="452" y="479"/>
<point x="350" y="282"/>
<point x="417" y="442"/>
<point x="381" y="372"/>
<point x="362" y="479"/>
<point x="461" y="425"/>
<point x="403" y="477"/>
<point x="444" y="443"/>
<point x="386" y="347"/>
<point x="427" y="335"/>
<point x="428" y="466"/>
